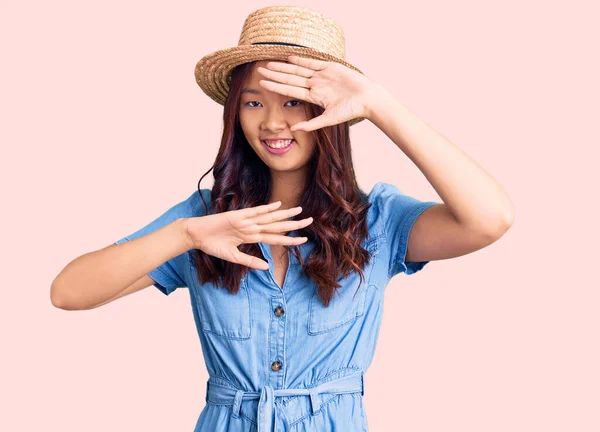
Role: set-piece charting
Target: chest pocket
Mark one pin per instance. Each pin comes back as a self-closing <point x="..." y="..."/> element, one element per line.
<point x="345" y="307"/>
<point x="223" y="314"/>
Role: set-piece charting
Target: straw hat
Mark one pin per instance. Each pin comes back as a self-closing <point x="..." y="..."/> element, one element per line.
<point x="274" y="33"/>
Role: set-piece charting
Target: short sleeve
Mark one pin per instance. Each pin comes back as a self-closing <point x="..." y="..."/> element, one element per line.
<point x="172" y="274"/>
<point x="399" y="213"/>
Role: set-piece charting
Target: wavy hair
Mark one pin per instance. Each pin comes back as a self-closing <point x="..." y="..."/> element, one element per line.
<point x="334" y="200"/>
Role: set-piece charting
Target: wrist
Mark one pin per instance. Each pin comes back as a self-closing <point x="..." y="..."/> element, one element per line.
<point x="376" y="95"/>
<point x="183" y="225"/>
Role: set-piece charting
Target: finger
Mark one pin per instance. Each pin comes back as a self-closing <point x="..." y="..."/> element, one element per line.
<point x="279" y="227"/>
<point x="250" y="261"/>
<point x="291" y="69"/>
<point x="308" y="62"/>
<point x="313" y="124"/>
<point x="287" y="90"/>
<point x="283" y="240"/>
<point x="276" y="215"/>
<point x="250" y="212"/>
<point x="284" y="78"/>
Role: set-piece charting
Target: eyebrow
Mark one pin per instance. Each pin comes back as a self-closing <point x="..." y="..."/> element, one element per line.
<point x="251" y="90"/>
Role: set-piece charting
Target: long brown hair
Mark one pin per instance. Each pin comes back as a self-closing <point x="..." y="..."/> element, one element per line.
<point x="339" y="207"/>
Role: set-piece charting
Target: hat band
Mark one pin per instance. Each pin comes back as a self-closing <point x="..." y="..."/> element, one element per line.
<point x="278" y="43"/>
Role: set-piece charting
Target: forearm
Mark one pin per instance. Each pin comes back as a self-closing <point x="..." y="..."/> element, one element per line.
<point x="471" y="194"/>
<point x="100" y="275"/>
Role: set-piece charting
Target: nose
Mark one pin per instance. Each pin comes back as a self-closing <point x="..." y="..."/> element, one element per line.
<point x="275" y="119"/>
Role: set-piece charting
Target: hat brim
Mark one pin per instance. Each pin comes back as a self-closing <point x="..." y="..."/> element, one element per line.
<point x="213" y="71"/>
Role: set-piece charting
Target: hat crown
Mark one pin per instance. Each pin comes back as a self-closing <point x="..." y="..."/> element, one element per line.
<point x="294" y="26"/>
<point x="274" y="33"/>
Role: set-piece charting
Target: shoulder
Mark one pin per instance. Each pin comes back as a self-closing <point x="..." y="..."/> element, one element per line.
<point x="390" y="201"/>
<point x="392" y="209"/>
<point x="378" y="197"/>
<point x="382" y="193"/>
<point x="382" y="197"/>
<point x="198" y="200"/>
<point x="193" y="205"/>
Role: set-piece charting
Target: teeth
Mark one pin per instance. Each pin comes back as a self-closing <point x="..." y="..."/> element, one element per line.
<point x="279" y="144"/>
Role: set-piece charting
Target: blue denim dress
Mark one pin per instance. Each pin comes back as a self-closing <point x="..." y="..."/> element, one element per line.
<point x="277" y="359"/>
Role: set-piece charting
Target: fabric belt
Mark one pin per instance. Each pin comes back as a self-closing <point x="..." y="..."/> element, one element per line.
<point x="265" y="417"/>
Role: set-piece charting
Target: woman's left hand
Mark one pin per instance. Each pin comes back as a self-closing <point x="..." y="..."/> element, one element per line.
<point x="343" y="92"/>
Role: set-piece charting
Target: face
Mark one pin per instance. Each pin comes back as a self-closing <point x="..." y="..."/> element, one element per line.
<point x="265" y="114"/>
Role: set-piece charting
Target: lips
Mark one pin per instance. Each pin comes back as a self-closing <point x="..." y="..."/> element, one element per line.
<point x="279" y="151"/>
<point x="278" y="140"/>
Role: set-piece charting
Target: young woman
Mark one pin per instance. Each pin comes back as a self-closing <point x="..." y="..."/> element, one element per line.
<point x="286" y="258"/>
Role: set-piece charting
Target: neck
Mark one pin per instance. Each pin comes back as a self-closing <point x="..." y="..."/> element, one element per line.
<point x="288" y="188"/>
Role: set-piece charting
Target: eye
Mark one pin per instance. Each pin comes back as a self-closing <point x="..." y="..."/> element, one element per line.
<point x="293" y="100"/>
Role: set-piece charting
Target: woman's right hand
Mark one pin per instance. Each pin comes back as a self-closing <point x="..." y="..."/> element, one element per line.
<point x="220" y="234"/>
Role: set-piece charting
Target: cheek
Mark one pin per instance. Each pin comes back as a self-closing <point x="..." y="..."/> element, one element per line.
<point x="306" y="139"/>
<point x="247" y="118"/>
<point x="307" y="147"/>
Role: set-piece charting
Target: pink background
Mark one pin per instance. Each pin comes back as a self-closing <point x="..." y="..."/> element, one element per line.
<point x="104" y="128"/>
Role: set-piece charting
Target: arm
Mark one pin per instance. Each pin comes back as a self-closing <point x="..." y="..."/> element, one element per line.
<point x="476" y="210"/>
<point x="101" y="276"/>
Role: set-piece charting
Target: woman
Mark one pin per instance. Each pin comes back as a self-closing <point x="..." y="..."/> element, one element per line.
<point x="287" y="337"/>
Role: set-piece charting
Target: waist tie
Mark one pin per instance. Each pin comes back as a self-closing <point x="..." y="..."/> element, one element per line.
<point x="265" y="417"/>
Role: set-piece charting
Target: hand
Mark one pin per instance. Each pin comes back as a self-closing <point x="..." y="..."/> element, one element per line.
<point x="220" y="234"/>
<point x="343" y="92"/>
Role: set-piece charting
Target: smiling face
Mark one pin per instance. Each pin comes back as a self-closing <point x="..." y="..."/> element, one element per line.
<point x="266" y="115"/>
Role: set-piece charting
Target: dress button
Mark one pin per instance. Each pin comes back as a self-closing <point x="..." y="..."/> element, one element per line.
<point x="276" y="365"/>
<point x="278" y="311"/>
